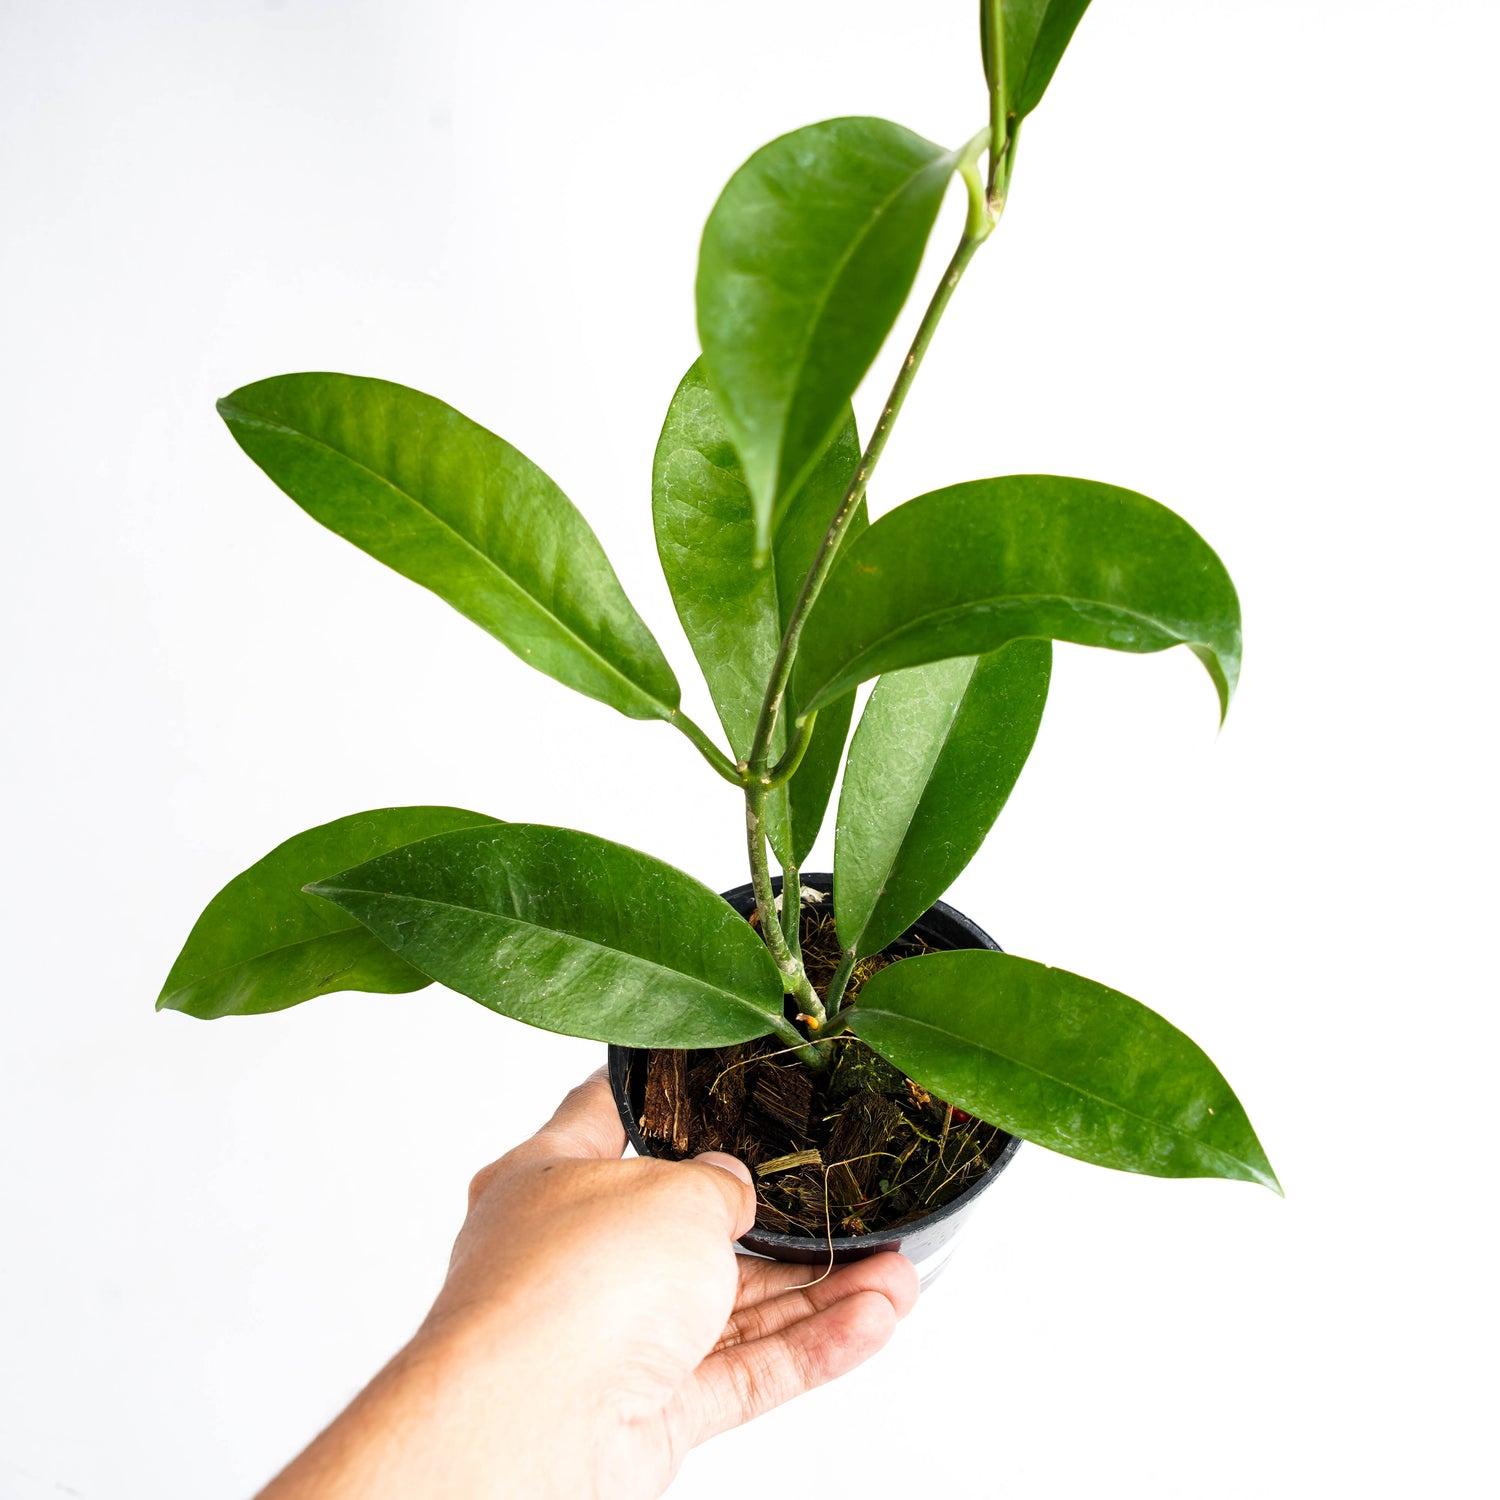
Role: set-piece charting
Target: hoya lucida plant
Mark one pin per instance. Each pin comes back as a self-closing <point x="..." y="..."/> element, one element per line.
<point x="791" y="598"/>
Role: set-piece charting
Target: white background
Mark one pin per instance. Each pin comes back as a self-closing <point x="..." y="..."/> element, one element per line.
<point x="1248" y="269"/>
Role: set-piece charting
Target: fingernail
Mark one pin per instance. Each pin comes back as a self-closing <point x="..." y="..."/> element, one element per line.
<point x="731" y="1164"/>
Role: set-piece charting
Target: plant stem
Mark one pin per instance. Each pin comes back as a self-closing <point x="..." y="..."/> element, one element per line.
<point x="838" y="1024"/>
<point x="977" y="227"/>
<point x="793" y="979"/>
<point x="706" y="747"/>
<point x="992" y="46"/>
<point x="794" y="1038"/>
<point x="791" y="910"/>
<point x="833" y="1001"/>
<point x="785" y="768"/>
<point x="976" y="231"/>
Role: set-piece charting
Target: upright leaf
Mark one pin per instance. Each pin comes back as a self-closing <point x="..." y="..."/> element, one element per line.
<point x="964" y="570"/>
<point x="1035" y="35"/>
<point x="1061" y="1061"/>
<point x="458" y="510"/>
<point x="733" y="612"/>
<point x="262" y="944"/>
<point x="805" y="262"/>
<point x="570" y="933"/>
<point x="935" y="756"/>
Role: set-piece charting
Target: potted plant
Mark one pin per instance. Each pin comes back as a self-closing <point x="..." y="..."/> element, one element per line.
<point x="872" y="1054"/>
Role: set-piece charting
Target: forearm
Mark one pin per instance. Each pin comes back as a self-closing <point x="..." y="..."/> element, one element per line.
<point x="456" y="1414"/>
<point x="594" y="1325"/>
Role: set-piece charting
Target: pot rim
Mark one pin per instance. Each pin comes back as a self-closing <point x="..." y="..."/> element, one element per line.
<point x="890" y="1238"/>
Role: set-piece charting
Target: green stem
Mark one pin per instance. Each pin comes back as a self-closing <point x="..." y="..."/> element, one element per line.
<point x="794" y="1038"/>
<point x="992" y="46"/>
<point x="785" y="768"/>
<point x="975" y="233"/>
<point x="833" y="1001"/>
<point x="791" y="910"/>
<point x="706" y="747"/>
<point x="838" y="1025"/>
<point x="794" y="980"/>
<point x="754" y="778"/>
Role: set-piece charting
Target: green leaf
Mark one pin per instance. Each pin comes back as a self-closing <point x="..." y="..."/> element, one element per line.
<point x="570" y="933"/>
<point x="458" y="510"/>
<point x="935" y="756"/>
<point x="733" y="612"/>
<point x="1061" y="1061"/>
<point x="1036" y="33"/>
<point x="964" y="570"/>
<point x="805" y="262"/>
<point x="262" y="944"/>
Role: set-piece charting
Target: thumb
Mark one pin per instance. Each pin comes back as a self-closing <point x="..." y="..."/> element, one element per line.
<point x="586" y="1124"/>
<point x="739" y="1195"/>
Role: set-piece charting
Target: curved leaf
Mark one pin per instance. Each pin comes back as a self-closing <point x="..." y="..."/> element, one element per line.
<point x="458" y="510"/>
<point x="1036" y="34"/>
<point x="570" y="933"/>
<point x="733" y="612"/>
<point x="262" y="944"/>
<point x="1061" y="1061"/>
<point x="806" y="259"/>
<point x="935" y="756"/>
<point x="964" y="570"/>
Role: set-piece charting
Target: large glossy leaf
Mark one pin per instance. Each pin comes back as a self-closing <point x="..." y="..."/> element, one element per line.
<point x="805" y="262"/>
<point x="1062" y="1061"/>
<point x="570" y="933"/>
<point x="935" y="756"/>
<point x="733" y="612"/>
<point x="262" y="944"/>
<point x="1036" y="33"/>
<point x="964" y="570"/>
<point x="458" y="510"/>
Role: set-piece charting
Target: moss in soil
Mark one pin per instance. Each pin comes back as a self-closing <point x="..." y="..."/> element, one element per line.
<point x="857" y="1149"/>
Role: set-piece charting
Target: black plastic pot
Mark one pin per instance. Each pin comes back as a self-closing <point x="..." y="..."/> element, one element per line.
<point x="927" y="1242"/>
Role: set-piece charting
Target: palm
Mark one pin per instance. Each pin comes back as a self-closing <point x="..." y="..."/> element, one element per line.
<point x="791" y="1328"/>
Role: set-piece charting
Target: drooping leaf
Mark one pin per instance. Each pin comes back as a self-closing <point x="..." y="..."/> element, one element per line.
<point x="805" y="262"/>
<point x="1035" y="34"/>
<point x="935" y="756"/>
<point x="570" y="933"/>
<point x="1061" y="1061"/>
<point x="964" y="570"/>
<point x="262" y="944"/>
<point x="733" y="612"/>
<point x="460" y="511"/>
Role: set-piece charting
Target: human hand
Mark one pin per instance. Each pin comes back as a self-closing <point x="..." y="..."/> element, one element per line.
<point x="594" y="1326"/>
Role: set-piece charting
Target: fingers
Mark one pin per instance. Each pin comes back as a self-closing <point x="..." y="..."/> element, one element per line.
<point x="586" y="1123"/>
<point x="774" y="1295"/>
<point x="738" y="1383"/>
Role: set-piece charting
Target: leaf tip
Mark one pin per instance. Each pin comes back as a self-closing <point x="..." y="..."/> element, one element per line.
<point x="1224" y="672"/>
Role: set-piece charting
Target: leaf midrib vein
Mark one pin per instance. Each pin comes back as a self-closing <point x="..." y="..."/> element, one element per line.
<point x="479" y="911"/>
<point x="256" y="419"/>
<point x="927" y="616"/>
<point x="254" y="958"/>
<point x="1075" y="1088"/>
<point x="821" y="305"/>
<point x="937" y="754"/>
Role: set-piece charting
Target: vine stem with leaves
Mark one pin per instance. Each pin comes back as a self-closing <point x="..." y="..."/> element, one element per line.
<point x="986" y="201"/>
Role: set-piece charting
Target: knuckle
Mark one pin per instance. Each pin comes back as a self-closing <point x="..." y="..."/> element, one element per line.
<point x="481" y="1182"/>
